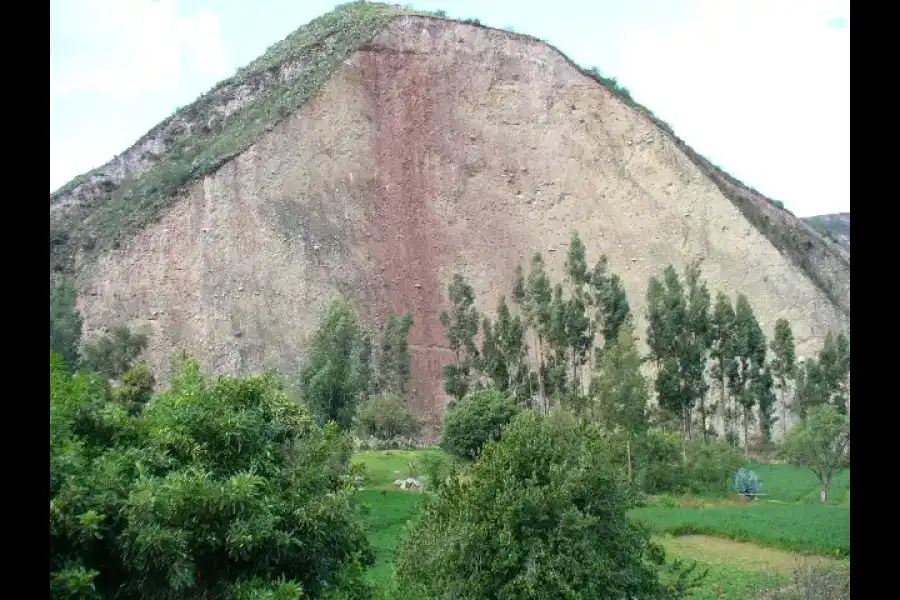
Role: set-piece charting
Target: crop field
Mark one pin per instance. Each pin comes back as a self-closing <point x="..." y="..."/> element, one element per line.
<point x="745" y="548"/>
<point x="805" y="528"/>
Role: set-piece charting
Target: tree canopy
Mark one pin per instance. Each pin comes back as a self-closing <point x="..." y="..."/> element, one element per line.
<point x="216" y="488"/>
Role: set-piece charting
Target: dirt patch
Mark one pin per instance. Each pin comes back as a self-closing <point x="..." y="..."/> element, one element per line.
<point x="743" y="555"/>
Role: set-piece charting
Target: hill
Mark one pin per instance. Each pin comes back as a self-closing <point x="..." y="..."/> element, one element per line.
<point x="836" y="226"/>
<point x="373" y="153"/>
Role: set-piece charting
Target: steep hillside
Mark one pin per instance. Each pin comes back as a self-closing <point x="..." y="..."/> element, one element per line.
<point x="374" y="153"/>
<point x="836" y="226"/>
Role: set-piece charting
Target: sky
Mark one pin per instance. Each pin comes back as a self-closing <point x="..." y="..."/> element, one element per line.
<point x="760" y="87"/>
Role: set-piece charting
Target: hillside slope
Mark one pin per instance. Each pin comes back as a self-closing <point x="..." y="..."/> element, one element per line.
<point x="434" y="147"/>
<point x="836" y="226"/>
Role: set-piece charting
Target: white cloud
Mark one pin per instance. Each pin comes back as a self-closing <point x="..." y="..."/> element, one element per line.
<point x="122" y="48"/>
<point x="761" y="84"/>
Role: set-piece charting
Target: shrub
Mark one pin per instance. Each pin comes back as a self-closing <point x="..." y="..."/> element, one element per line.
<point x="542" y="514"/>
<point x="114" y="353"/>
<point x="710" y="467"/>
<point x="746" y="483"/>
<point x="661" y="464"/>
<point x="817" y="581"/>
<point x="395" y="443"/>
<point x="386" y="416"/>
<point x="437" y="467"/>
<point x="217" y="489"/>
<point x="478" y="418"/>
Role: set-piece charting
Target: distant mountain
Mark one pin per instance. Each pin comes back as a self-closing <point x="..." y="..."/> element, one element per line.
<point x="836" y="225"/>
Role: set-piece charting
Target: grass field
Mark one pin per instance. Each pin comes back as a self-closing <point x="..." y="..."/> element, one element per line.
<point x="745" y="548"/>
<point x="806" y="528"/>
<point x="787" y="483"/>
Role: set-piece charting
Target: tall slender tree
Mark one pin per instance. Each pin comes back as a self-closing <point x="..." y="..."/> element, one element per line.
<point x="65" y="323"/>
<point x="722" y="355"/>
<point x="834" y="359"/>
<point x="503" y="356"/>
<point x="611" y="302"/>
<point x="750" y="358"/>
<point x="394" y="360"/>
<point x="534" y="295"/>
<point x="763" y="389"/>
<point x="461" y="326"/>
<point x="620" y="391"/>
<point x="336" y="373"/>
<point x="679" y="337"/>
<point x="784" y="364"/>
<point x="697" y="340"/>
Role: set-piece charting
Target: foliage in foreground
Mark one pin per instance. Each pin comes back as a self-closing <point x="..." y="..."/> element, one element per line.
<point x="814" y="582"/>
<point x="541" y="514"/>
<point x="476" y="420"/>
<point x="808" y="528"/>
<point x="220" y="489"/>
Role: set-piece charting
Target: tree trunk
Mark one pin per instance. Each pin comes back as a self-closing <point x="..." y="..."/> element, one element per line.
<point x="824" y="494"/>
<point x="783" y="415"/>
<point x="542" y="396"/>
<point x="628" y="450"/>
<point x="746" y="435"/>
<point x="703" y="415"/>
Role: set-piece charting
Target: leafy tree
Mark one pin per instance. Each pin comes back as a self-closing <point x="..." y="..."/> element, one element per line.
<point x="461" y="325"/>
<point x="783" y="364"/>
<point x="679" y="337"/>
<point x="697" y="339"/>
<point x="65" y="323"/>
<point x="542" y="514"/>
<point x="710" y="467"/>
<point x="811" y="389"/>
<point x="136" y="388"/>
<point x="477" y="419"/>
<point x="821" y="442"/>
<point x="335" y="375"/>
<point x="750" y="358"/>
<point x="722" y="353"/>
<point x="834" y="360"/>
<point x="503" y="356"/>
<point x="114" y="353"/>
<point x="611" y="300"/>
<point x="621" y="390"/>
<point x="217" y="489"/>
<point x="393" y="368"/>
<point x="762" y="388"/>
<point x="535" y="295"/>
<point x="386" y="416"/>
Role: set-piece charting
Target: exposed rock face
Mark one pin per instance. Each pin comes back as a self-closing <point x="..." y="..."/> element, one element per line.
<point x="439" y="147"/>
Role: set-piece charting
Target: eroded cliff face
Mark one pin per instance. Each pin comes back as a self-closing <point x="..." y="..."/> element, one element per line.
<point x="438" y="148"/>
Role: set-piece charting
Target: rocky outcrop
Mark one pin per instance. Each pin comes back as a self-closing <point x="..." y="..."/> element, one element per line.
<point x="440" y="147"/>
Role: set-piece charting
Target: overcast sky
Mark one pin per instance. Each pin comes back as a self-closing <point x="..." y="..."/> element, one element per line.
<point x="760" y="87"/>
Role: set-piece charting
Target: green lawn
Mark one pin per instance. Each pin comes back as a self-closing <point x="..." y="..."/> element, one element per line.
<point x="806" y="528"/>
<point x="383" y="467"/>
<point x="787" y="483"/>
<point x="389" y="513"/>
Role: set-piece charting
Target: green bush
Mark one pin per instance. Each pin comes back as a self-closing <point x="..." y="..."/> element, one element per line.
<point x="542" y="514"/>
<point x="437" y="467"/>
<point x="661" y="467"/>
<point x="478" y="418"/>
<point x="218" y="489"/>
<point x="711" y="466"/>
<point x="114" y="353"/>
<point x="386" y="416"/>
